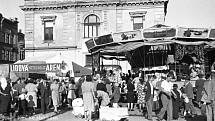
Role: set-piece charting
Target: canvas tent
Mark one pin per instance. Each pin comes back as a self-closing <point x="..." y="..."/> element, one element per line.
<point x="55" y="64"/>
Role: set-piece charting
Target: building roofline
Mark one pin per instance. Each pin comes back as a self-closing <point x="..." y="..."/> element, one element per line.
<point x="69" y="4"/>
<point x="50" y="48"/>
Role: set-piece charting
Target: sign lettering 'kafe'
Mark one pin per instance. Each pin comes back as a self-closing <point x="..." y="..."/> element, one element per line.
<point x="31" y="68"/>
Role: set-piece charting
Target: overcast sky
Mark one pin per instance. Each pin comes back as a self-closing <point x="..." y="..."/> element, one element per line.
<point x="188" y="13"/>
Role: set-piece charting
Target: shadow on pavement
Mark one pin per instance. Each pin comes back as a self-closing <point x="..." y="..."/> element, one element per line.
<point x="196" y="118"/>
<point x="61" y="112"/>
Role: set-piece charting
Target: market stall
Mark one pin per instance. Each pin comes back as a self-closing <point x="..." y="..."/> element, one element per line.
<point x="182" y="50"/>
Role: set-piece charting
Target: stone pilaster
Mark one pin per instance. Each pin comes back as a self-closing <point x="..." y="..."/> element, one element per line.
<point x="29" y="29"/>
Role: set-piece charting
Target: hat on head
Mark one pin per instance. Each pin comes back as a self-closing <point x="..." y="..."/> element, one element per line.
<point x="175" y="85"/>
<point x="186" y="77"/>
<point x="88" y="78"/>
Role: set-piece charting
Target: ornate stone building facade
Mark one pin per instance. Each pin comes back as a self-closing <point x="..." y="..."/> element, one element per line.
<point x="63" y="26"/>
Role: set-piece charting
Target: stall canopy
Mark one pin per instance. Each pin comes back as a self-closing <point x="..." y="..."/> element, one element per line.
<point x="155" y="45"/>
<point x="49" y="64"/>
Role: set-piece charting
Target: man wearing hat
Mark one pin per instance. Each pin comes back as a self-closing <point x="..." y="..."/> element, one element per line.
<point x="199" y="87"/>
<point x="176" y="102"/>
<point x="188" y="90"/>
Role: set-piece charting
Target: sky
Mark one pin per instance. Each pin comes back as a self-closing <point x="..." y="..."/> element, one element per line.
<point x="187" y="13"/>
<point x="10" y="9"/>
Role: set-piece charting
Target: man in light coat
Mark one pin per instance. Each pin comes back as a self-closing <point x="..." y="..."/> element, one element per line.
<point x="213" y="93"/>
<point x="207" y="97"/>
<point x="189" y="93"/>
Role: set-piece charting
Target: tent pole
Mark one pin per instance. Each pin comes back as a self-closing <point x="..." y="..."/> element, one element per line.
<point x="9" y="71"/>
<point x="92" y="63"/>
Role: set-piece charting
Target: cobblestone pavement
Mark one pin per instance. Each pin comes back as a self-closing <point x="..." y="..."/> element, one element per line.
<point x="68" y="116"/>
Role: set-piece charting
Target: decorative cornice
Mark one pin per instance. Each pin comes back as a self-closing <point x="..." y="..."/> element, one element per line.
<point x="48" y="18"/>
<point x="137" y="13"/>
<point x="37" y="6"/>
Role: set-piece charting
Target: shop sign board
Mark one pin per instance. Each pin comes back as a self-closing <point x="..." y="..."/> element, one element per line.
<point x="90" y="43"/>
<point x="159" y="33"/>
<point x="193" y="32"/>
<point x="34" y="68"/>
<point x="105" y="39"/>
<point x="127" y="36"/>
<point x="212" y="33"/>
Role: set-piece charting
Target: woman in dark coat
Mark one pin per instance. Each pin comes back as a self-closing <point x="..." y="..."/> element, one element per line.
<point x="176" y="102"/>
<point x="199" y="88"/>
<point x="5" y="96"/>
<point x="130" y="95"/>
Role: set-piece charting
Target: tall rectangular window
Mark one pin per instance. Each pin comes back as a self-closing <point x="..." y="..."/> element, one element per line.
<point x="11" y="39"/>
<point x="14" y="56"/>
<point x="138" y="22"/>
<point x="7" y="37"/>
<point x="3" y="37"/>
<point x="6" y="55"/>
<point x="88" y="60"/>
<point x="2" y="54"/>
<point x="48" y="30"/>
<point x="137" y="17"/>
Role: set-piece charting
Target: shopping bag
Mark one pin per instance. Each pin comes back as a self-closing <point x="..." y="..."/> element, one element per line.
<point x="78" y="102"/>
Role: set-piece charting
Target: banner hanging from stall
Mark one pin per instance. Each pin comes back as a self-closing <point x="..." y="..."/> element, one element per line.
<point x="36" y="68"/>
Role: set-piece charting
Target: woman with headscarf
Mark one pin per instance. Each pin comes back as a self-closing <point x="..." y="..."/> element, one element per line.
<point x="88" y="91"/>
<point x="5" y="96"/>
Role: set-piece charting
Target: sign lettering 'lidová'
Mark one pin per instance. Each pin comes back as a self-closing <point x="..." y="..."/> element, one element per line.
<point x="36" y="67"/>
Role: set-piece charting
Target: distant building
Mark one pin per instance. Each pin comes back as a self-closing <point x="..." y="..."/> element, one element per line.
<point x="63" y="26"/>
<point x="8" y="40"/>
<point x="21" y="45"/>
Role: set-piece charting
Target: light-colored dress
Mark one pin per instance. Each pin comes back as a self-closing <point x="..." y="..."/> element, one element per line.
<point x="71" y="92"/>
<point x="88" y="97"/>
<point x="140" y="93"/>
<point x="55" y="94"/>
<point x="32" y="94"/>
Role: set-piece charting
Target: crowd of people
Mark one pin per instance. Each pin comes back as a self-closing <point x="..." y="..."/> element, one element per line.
<point x="145" y="92"/>
<point x="149" y="93"/>
<point x="24" y="96"/>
